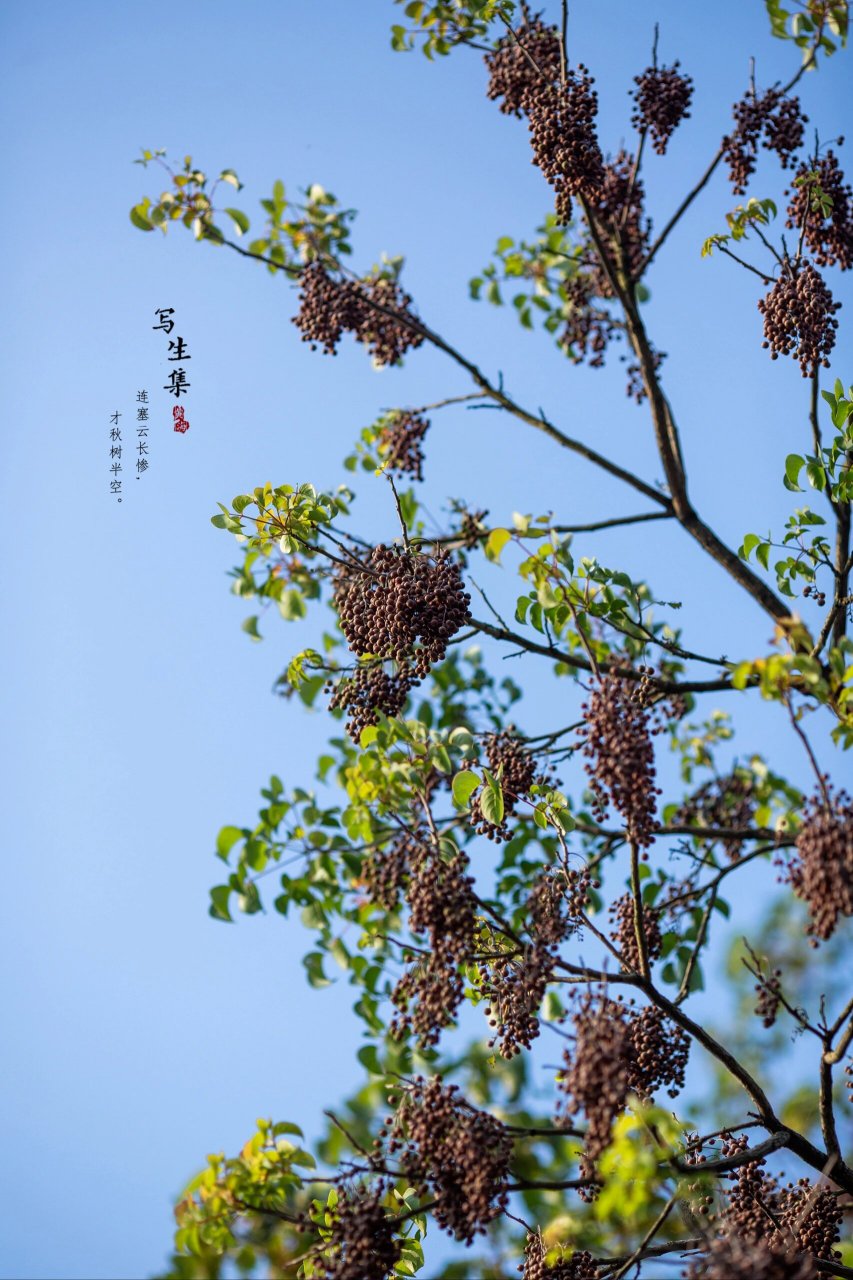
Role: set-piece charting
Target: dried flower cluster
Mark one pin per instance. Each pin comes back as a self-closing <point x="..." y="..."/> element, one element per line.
<point x="829" y="236"/>
<point x="780" y="121"/>
<point x="821" y="873"/>
<point x="362" y="1245"/>
<point x="557" y="902"/>
<point x="617" y="743"/>
<point x="442" y="906"/>
<point x="515" y="987"/>
<point x="400" y="443"/>
<point x="385" y="870"/>
<point x="769" y="1000"/>
<point x="799" y="318"/>
<point x="376" y="311"/>
<point x="520" y="62"/>
<point x="661" y="102"/>
<point x="454" y="1153"/>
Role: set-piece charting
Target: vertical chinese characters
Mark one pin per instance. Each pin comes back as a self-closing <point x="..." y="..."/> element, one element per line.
<point x="141" y="432"/>
<point x="115" y="454"/>
<point x="178" y="383"/>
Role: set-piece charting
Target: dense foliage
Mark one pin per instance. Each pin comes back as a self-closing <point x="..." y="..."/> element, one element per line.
<point x="442" y="863"/>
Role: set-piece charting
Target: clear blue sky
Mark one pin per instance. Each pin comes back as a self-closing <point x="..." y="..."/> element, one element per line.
<point x="139" y="1034"/>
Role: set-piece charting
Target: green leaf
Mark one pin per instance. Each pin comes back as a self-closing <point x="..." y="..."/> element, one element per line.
<point x="495" y="543"/>
<point x="139" y="219"/>
<point x="492" y="800"/>
<point x="762" y="554"/>
<point x="464" y="786"/>
<point x="313" y="963"/>
<point x="239" y="219"/>
<point x="219" y="902"/>
<point x="368" y="1056"/>
<point x="793" y="466"/>
<point x="250" y="626"/>
<point x="226" y="840"/>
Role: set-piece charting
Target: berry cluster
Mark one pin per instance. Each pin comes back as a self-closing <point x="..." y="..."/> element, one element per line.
<point x="822" y="871"/>
<point x="819" y="597"/>
<point x="385" y="870"/>
<point x="515" y="987"/>
<point x="520" y="62"/>
<point x="376" y="311"/>
<point x="659" y="1053"/>
<point x="471" y="528"/>
<point x="557" y="902"/>
<point x="799" y="318"/>
<point x="517" y="770"/>
<point x="661" y="102"/>
<point x="562" y="133"/>
<point x="730" y="1258"/>
<point x="370" y="692"/>
<point x="624" y="933"/>
<point x="402" y="604"/>
<point x="829" y="237"/>
<point x="769" y="1000"/>
<point x="727" y="802"/>
<point x="617" y="742"/>
<point x="362" y="1244"/>
<point x="579" y="1266"/>
<point x="442" y="906"/>
<point x="454" y="1153"/>
<point x="400" y="441"/>
<point x="780" y="121"/>
<point x="618" y="202"/>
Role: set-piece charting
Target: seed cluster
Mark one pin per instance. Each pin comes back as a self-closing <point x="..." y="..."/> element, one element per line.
<point x="624" y="933"/>
<point x="520" y="62"/>
<point x="515" y="987"/>
<point x="579" y="1266"/>
<point x="769" y="1000"/>
<point x="385" y="870"/>
<point x="400" y="443"/>
<point x="402" y="604"/>
<point x="517" y="770"/>
<point x="369" y="692"/>
<point x="362" y="1244"/>
<point x="780" y="121"/>
<point x="830" y="237"/>
<point x="617" y="743"/>
<point x="376" y="311"/>
<point x="799" y="318"/>
<point x="557" y="902"/>
<point x="661" y="102"/>
<point x="727" y="802"/>
<point x="442" y="906"/>
<point x="454" y="1153"/>
<point x="822" y="871"/>
<point x="562" y="133"/>
<point x="617" y="1051"/>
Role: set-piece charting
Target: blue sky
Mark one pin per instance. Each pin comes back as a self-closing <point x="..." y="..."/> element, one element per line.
<point x="141" y="1034"/>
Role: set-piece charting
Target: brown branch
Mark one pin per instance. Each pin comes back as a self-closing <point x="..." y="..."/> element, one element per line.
<point x="639" y="923"/>
<point x="583" y="664"/>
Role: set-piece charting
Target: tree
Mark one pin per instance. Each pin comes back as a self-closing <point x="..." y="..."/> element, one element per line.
<point x="591" y="920"/>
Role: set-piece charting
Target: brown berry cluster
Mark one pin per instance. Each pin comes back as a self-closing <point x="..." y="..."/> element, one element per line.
<point x="471" y="528"/>
<point x="635" y="387"/>
<point x="517" y="770"/>
<point x="821" y="873"/>
<point x="370" y="692"/>
<point x="515" y="987"/>
<point x="661" y="101"/>
<point x="799" y="318"/>
<point x="362" y="1244"/>
<point x="442" y="906"/>
<point x="400" y="442"/>
<point x="624" y="933"/>
<point x="619" y="203"/>
<point x="557" y="902"/>
<point x="659" y="1053"/>
<point x="830" y="237"/>
<point x="780" y="121"/>
<point x="617" y="742"/>
<point x="562" y="133"/>
<point x="385" y="870"/>
<point x="376" y="311"/>
<point x="454" y="1153"/>
<point x="521" y="61"/>
<point x="579" y="1266"/>
<point x="768" y="1231"/>
<point x="618" y="1051"/>
<point x="727" y="802"/>
<point x="588" y="329"/>
<point x="402" y="604"/>
<point x="769" y="1000"/>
